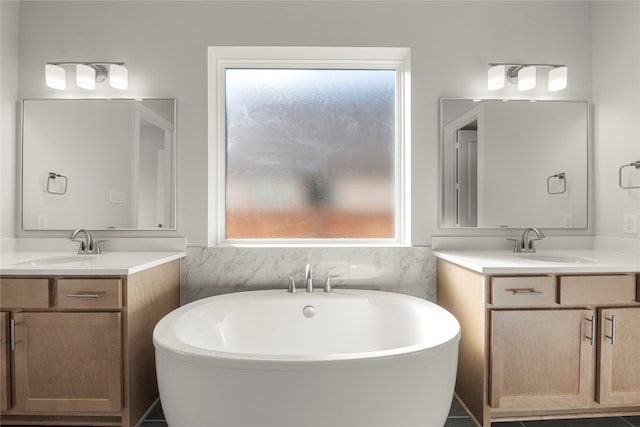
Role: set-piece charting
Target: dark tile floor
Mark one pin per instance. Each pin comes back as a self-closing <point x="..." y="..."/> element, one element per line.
<point x="459" y="418"/>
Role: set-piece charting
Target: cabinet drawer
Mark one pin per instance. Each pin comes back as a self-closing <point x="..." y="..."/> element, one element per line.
<point x="608" y="289"/>
<point x="24" y="293"/>
<point x="89" y="293"/>
<point x="523" y="291"/>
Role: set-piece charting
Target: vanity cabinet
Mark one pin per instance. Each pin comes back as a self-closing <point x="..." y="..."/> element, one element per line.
<point x="80" y="348"/>
<point x="619" y="357"/>
<point x="544" y="345"/>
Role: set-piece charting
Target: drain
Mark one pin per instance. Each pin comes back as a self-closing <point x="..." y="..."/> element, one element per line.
<point x="309" y="311"/>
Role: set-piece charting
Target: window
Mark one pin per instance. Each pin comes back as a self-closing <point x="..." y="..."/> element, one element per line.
<point x="311" y="150"/>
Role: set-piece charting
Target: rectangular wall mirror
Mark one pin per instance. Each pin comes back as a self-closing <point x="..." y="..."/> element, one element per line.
<point x="513" y="164"/>
<point x="99" y="164"/>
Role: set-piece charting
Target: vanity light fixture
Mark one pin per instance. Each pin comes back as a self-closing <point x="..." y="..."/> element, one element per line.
<point x="87" y="74"/>
<point x="55" y="76"/>
<point x="495" y="77"/>
<point x="557" y="79"/>
<point x="526" y="78"/>
<point x="524" y="75"/>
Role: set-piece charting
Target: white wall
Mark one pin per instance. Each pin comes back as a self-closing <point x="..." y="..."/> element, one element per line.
<point x="616" y="97"/>
<point x="164" y="45"/>
<point x="9" y="17"/>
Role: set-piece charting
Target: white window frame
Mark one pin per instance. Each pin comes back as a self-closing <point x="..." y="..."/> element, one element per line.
<point x="222" y="57"/>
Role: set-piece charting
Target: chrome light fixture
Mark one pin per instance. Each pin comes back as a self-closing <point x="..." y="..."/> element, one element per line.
<point x="557" y="79"/>
<point x="55" y="76"/>
<point x="87" y="74"/>
<point x="524" y="76"/>
<point x="495" y="77"/>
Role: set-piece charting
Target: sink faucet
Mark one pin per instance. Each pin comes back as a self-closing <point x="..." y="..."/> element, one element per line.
<point x="308" y="276"/>
<point x="87" y="246"/>
<point x="525" y="244"/>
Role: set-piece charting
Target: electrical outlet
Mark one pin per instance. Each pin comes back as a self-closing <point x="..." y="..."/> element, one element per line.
<point x="567" y="220"/>
<point x="630" y="224"/>
<point x="42" y="221"/>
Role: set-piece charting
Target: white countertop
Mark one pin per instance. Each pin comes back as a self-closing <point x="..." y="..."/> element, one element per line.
<point x="507" y="262"/>
<point x="28" y="263"/>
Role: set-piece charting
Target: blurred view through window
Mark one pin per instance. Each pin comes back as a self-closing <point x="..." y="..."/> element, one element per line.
<point x="310" y="153"/>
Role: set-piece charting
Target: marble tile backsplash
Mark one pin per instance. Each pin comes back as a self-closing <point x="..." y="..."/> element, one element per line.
<point x="213" y="271"/>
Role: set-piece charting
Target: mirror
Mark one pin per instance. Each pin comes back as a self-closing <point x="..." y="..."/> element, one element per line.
<point x="513" y="164"/>
<point x="98" y="164"/>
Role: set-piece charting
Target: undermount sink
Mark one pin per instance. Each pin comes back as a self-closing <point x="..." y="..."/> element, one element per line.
<point x="55" y="260"/>
<point x="567" y="259"/>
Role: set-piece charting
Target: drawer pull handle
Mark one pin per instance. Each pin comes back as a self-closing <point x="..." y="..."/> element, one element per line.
<point x="14" y="341"/>
<point x="592" y="338"/>
<point x="84" y="295"/>
<point x="612" y="337"/>
<point x="527" y="291"/>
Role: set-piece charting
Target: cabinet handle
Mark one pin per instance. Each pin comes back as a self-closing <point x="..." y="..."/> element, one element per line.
<point x="524" y="291"/>
<point x="12" y="325"/>
<point x="612" y="337"/>
<point x="84" y="295"/>
<point x="592" y="338"/>
<point x="13" y="335"/>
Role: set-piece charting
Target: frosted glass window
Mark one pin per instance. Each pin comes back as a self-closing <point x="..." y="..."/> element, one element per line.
<point x="310" y="153"/>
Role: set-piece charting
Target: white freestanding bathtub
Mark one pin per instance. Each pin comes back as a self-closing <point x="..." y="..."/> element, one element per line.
<point x="347" y="358"/>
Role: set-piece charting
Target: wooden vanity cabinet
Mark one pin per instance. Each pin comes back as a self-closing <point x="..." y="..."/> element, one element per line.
<point x="546" y="345"/>
<point x="81" y="348"/>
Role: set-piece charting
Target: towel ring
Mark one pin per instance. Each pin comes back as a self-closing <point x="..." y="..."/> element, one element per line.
<point x="635" y="165"/>
<point x="561" y="176"/>
<point x="56" y="183"/>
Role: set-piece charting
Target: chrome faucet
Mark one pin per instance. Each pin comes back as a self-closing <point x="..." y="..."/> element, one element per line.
<point x="525" y="244"/>
<point x="308" y="276"/>
<point x="291" y="287"/>
<point x="88" y="246"/>
<point x="328" y="287"/>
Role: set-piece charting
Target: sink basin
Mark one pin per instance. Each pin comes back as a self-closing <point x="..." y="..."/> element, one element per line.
<point x="56" y="260"/>
<point x="567" y="259"/>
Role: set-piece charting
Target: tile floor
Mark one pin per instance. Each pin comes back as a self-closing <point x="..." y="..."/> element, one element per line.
<point x="459" y="418"/>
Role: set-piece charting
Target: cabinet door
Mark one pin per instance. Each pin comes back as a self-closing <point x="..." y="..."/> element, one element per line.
<point x="619" y="356"/>
<point x="542" y="359"/>
<point x="68" y="362"/>
<point x="4" y="362"/>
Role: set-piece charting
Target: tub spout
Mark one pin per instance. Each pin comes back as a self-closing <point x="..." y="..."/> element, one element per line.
<point x="308" y="276"/>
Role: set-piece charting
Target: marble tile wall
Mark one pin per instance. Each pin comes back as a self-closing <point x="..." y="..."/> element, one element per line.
<point x="212" y="271"/>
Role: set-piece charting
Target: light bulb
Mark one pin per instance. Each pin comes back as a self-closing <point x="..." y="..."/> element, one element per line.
<point x="118" y="77"/>
<point x="495" y="77"/>
<point x="557" y="79"/>
<point x="527" y="78"/>
<point x="85" y="77"/>
<point x="55" y="76"/>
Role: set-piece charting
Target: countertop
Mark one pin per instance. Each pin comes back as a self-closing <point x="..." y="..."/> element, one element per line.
<point x="23" y="263"/>
<point x="573" y="261"/>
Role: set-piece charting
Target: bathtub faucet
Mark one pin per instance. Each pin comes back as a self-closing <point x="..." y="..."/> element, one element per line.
<point x="308" y="276"/>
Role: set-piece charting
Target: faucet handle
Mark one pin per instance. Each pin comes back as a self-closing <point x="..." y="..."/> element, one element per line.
<point x="96" y="246"/>
<point x="327" y="284"/>
<point x="531" y="247"/>
<point x="516" y="244"/>
<point x="292" y="283"/>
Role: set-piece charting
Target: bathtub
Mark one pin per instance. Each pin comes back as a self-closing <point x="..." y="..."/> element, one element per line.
<point x="347" y="358"/>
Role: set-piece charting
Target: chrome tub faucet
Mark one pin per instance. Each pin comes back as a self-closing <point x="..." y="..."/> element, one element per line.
<point x="308" y="276"/>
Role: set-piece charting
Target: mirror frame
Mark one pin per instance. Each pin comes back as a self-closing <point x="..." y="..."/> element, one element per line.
<point x="441" y="165"/>
<point x="173" y="179"/>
